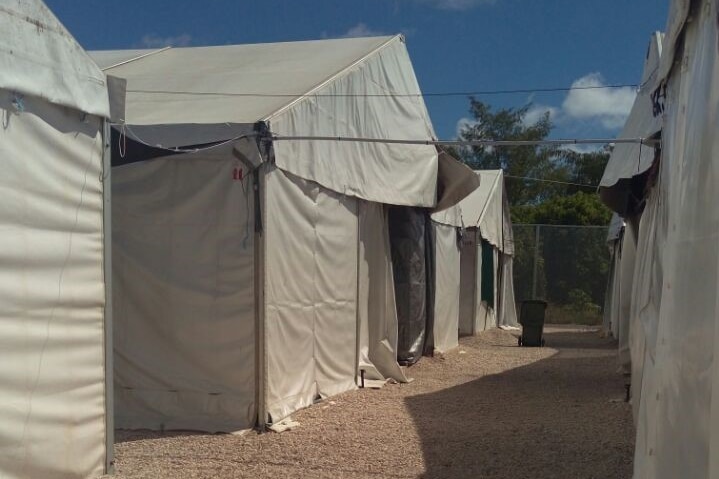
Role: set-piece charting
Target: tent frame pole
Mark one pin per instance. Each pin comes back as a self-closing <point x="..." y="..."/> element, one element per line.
<point x="108" y="323"/>
<point x="259" y="186"/>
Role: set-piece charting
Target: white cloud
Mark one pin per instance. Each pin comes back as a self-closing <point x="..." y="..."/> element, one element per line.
<point x="609" y="106"/>
<point x="361" y="30"/>
<point x="152" y="40"/>
<point x="536" y="112"/>
<point x="463" y="124"/>
<point x="458" y="5"/>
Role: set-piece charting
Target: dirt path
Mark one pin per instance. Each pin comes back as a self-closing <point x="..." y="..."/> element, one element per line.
<point x="486" y="410"/>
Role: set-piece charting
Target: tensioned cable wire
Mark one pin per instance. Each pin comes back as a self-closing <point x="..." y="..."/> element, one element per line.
<point x="544" y="180"/>
<point x="544" y="225"/>
<point x="487" y="142"/>
<point x="389" y="95"/>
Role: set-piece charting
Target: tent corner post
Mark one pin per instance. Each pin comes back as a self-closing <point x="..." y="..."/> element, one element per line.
<point x="259" y="262"/>
<point x="109" y="465"/>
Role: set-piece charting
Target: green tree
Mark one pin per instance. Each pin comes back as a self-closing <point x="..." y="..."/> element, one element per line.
<point x="573" y="262"/>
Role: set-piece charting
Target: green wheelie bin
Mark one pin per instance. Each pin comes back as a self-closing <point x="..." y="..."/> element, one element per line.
<point x="531" y="317"/>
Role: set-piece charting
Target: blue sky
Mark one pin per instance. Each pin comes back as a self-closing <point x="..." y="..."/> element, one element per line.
<point x="455" y="45"/>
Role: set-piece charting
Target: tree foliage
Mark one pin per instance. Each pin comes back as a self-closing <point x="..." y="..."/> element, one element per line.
<point x="566" y="197"/>
<point x="572" y="262"/>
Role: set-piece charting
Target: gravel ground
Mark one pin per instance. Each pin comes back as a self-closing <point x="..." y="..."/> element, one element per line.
<point x="485" y="410"/>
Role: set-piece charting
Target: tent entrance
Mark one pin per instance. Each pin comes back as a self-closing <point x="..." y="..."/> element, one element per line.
<point x="487" y="277"/>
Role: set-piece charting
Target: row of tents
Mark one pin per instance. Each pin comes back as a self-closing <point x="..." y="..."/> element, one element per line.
<point x="662" y="302"/>
<point x="173" y="259"/>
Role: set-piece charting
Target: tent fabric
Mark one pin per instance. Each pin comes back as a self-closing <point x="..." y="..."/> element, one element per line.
<point x="455" y="182"/>
<point x="616" y="225"/>
<point x="677" y="431"/>
<point x="468" y="282"/>
<point x="485" y="316"/>
<point x="397" y="174"/>
<point x="630" y="160"/>
<point x="376" y="300"/>
<point x="311" y="274"/>
<point x="447" y="284"/>
<point x="183" y="295"/>
<point x="483" y="208"/>
<point x="162" y="89"/>
<point x="508" y="304"/>
<point x="300" y="89"/>
<point x="408" y="239"/>
<point x="39" y="58"/>
<point x="52" y="288"/>
<point x="624" y="318"/>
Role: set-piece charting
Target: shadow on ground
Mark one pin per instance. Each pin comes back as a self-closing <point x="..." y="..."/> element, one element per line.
<point x="559" y="417"/>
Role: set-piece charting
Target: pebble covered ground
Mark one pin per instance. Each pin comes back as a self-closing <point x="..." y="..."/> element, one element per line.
<point x="487" y="409"/>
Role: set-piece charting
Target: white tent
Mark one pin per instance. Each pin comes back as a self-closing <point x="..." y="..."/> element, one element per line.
<point x="485" y="286"/>
<point x="53" y="393"/>
<point x="613" y="294"/>
<point x="252" y="275"/>
<point x="678" y="426"/>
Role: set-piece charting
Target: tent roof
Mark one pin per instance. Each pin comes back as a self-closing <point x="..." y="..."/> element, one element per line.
<point x="39" y="57"/>
<point x="484" y="208"/>
<point x="235" y="83"/>
<point x="628" y="160"/>
<point x="475" y="206"/>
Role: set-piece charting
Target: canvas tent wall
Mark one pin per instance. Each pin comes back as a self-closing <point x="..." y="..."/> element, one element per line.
<point x="677" y="428"/>
<point x="53" y="392"/>
<point x="612" y="297"/>
<point x="252" y="273"/>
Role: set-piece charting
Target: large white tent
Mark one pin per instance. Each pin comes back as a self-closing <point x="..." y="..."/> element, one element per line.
<point x="54" y="400"/>
<point x="484" y="286"/>
<point x="253" y="274"/>
<point x="678" y="258"/>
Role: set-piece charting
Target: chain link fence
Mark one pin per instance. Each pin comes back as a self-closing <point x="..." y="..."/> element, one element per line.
<point x="567" y="266"/>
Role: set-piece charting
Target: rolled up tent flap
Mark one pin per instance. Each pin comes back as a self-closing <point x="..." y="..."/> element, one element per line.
<point x="455" y="181"/>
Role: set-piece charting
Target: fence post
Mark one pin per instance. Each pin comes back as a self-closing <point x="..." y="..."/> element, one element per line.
<point x="536" y="262"/>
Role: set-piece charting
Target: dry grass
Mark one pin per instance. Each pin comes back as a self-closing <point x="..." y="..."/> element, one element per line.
<point x="486" y="410"/>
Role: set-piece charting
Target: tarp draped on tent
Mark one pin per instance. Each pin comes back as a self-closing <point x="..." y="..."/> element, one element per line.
<point x="255" y="269"/>
<point x="55" y="416"/>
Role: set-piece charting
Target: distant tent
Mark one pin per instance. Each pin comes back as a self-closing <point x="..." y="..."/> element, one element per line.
<point x="486" y="286"/>
<point x="55" y="413"/>
<point x="253" y="276"/>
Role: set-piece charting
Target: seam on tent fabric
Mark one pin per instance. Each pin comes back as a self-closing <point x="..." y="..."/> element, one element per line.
<point x="332" y="77"/>
<point x="124" y="62"/>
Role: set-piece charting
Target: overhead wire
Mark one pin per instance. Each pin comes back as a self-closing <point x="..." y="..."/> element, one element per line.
<point x="389" y="95"/>
<point x="545" y="180"/>
<point x="392" y="141"/>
